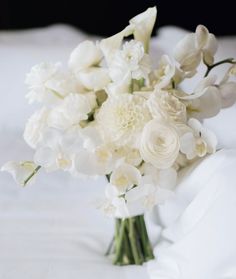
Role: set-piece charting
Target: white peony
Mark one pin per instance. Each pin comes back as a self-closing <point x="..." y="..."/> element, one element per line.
<point x="163" y="104"/>
<point x="159" y="144"/>
<point x="85" y="55"/>
<point x="35" y="127"/>
<point x="121" y="119"/>
<point x="198" y="142"/>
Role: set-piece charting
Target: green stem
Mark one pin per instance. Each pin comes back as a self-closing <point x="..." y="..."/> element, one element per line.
<point x="31" y="175"/>
<point x="210" y="67"/>
<point x="120" y="231"/>
<point x="146" y="242"/>
<point x="132" y="238"/>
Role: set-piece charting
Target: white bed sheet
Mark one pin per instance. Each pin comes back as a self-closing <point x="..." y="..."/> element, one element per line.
<point x="52" y="230"/>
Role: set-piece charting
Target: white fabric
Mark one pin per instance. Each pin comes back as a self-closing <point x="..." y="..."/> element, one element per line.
<point x="52" y="229"/>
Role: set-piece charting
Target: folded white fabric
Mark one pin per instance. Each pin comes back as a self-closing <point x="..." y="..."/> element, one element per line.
<point x="200" y="240"/>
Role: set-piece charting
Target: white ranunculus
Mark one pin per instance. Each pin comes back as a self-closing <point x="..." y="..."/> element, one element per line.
<point x="35" y="127"/>
<point x="93" y="78"/>
<point x="163" y="75"/>
<point x="130" y="60"/>
<point x="143" y="26"/>
<point x="195" y="46"/>
<point x="124" y="177"/>
<point x="23" y="172"/>
<point x="198" y="142"/>
<point x="70" y="112"/>
<point x="159" y="144"/>
<point x="85" y="55"/>
<point x="121" y="119"/>
<point x="163" y="104"/>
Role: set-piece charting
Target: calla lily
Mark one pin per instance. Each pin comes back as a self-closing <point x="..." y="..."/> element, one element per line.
<point x="143" y="26"/>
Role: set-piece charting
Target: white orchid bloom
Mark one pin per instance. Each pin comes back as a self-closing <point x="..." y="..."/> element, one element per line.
<point x="159" y="144"/>
<point x="143" y="26"/>
<point x="228" y="94"/>
<point x="22" y="172"/>
<point x="85" y="55"/>
<point x="199" y="142"/>
<point x="124" y="177"/>
<point x="195" y="46"/>
<point x="93" y="78"/>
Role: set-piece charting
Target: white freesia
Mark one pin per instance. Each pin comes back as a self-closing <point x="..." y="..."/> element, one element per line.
<point x="22" y="172"/>
<point x="131" y="61"/>
<point x="159" y="144"/>
<point x="70" y="112"/>
<point x="163" y="105"/>
<point x="199" y="142"/>
<point x="35" y="127"/>
<point x="124" y="177"/>
<point x="85" y="55"/>
<point x="143" y="26"/>
<point x="122" y="118"/>
<point x="195" y="46"/>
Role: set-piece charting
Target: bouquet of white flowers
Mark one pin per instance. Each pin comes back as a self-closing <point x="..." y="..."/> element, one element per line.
<point x="112" y="114"/>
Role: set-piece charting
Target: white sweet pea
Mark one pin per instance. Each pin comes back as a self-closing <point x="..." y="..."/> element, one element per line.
<point x="93" y="78"/>
<point x="124" y="177"/>
<point x="85" y="55"/>
<point x="22" y="172"/>
<point x="163" y="75"/>
<point x="131" y="61"/>
<point x="70" y="112"/>
<point x="195" y="46"/>
<point x="47" y="83"/>
<point x="199" y="142"/>
<point x="163" y="105"/>
<point x="159" y="144"/>
<point x="143" y="26"/>
<point x="35" y="127"/>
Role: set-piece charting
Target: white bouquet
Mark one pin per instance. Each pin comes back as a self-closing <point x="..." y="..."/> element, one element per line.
<point x="111" y="113"/>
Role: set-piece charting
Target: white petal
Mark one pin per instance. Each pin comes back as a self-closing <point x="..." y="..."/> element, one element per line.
<point x="143" y="26"/>
<point x="201" y="35"/>
<point x="45" y="157"/>
<point x="187" y="143"/>
<point x="210" y="49"/>
<point x="228" y="94"/>
<point x="85" y="55"/>
<point x="210" y="139"/>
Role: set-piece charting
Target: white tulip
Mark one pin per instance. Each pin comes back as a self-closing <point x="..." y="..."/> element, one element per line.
<point x="159" y="144"/>
<point x="93" y="78"/>
<point x="35" y="127"/>
<point x="85" y="55"/>
<point x="23" y="172"/>
<point x="143" y="26"/>
<point x="124" y="177"/>
<point x="199" y="142"/>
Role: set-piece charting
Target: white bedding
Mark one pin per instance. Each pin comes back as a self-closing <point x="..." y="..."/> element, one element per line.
<point x="52" y="229"/>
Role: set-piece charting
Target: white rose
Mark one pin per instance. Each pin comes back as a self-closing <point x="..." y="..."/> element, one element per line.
<point x="164" y="105"/>
<point x="85" y="55"/>
<point x="159" y="144"/>
<point x="35" y="127"/>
